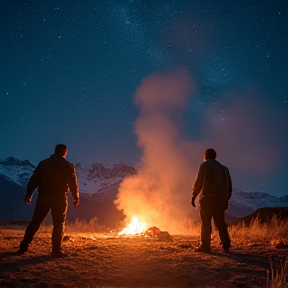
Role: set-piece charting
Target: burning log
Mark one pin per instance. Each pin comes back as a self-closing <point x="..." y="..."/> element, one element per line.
<point x="152" y="231"/>
<point x="155" y="232"/>
<point x="136" y="228"/>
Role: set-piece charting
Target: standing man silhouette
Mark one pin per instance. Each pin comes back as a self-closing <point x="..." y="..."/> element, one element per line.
<point x="214" y="186"/>
<point x="54" y="177"/>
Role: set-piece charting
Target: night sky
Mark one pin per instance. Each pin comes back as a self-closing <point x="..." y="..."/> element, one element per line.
<point x="70" y="69"/>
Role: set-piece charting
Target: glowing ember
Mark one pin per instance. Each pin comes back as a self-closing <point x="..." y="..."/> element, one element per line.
<point x="134" y="228"/>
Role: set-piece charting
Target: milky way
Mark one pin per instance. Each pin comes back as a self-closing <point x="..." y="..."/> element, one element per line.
<point x="69" y="71"/>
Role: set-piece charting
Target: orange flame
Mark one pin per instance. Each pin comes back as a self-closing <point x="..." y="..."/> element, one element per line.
<point x="134" y="228"/>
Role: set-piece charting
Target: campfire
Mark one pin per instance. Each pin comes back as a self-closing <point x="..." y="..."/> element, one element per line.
<point x="136" y="228"/>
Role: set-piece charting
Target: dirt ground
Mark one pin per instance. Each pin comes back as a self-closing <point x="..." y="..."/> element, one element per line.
<point x="107" y="260"/>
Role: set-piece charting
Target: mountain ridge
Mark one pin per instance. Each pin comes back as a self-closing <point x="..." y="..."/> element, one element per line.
<point x="99" y="184"/>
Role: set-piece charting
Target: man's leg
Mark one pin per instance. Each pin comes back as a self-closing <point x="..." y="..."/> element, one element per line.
<point x="41" y="210"/>
<point x="59" y="212"/>
<point x="219" y="220"/>
<point x="206" y="228"/>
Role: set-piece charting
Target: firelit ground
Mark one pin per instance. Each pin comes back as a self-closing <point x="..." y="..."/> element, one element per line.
<point x="106" y="260"/>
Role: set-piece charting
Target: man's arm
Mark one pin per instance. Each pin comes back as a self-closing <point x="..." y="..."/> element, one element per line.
<point x="229" y="183"/>
<point x="73" y="186"/>
<point x="198" y="185"/>
<point x="33" y="182"/>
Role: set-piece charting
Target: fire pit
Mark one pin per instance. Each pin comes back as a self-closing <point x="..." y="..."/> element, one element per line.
<point x="136" y="228"/>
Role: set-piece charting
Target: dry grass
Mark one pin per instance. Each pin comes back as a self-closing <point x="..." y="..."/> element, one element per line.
<point x="275" y="232"/>
<point x="278" y="271"/>
<point x="83" y="226"/>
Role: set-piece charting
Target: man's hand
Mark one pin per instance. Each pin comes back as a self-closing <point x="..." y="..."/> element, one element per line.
<point x="76" y="202"/>
<point x="193" y="202"/>
<point x="27" y="199"/>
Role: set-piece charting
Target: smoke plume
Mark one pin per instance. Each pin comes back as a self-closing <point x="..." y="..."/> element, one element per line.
<point x="159" y="193"/>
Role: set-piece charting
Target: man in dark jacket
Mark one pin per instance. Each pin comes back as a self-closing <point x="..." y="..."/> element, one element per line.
<point x="54" y="177"/>
<point x="214" y="186"/>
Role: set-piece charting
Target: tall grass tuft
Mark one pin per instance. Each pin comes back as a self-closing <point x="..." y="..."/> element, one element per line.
<point x="279" y="272"/>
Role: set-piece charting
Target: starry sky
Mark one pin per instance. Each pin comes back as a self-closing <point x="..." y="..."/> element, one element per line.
<point x="69" y="71"/>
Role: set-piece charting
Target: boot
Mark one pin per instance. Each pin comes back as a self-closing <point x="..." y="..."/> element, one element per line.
<point x="59" y="254"/>
<point x="203" y="249"/>
<point x="23" y="247"/>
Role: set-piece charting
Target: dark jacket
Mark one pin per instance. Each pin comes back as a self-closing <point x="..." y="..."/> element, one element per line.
<point x="54" y="175"/>
<point x="213" y="181"/>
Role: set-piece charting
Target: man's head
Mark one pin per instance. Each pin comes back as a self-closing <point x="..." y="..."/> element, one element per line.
<point x="210" y="154"/>
<point x="61" y="150"/>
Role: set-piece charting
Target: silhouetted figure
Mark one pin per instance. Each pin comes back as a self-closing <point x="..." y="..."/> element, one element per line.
<point x="214" y="186"/>
<point x="54" y="177"/>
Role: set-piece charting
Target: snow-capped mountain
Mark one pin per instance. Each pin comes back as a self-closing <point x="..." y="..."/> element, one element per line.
<point x="245" y="203"/>
<point x="16" y="171"/>
<point x="95" y="178"/>
<point x="98" y="183"/>
<point x="90" y="179"/>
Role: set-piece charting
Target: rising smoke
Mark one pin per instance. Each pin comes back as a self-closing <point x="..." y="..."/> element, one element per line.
<point x="159" y="194"/>
<point x="239" y="130"/>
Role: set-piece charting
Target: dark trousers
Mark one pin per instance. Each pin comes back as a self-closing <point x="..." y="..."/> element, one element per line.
<point x="210" y="209"/>
<point x="58" y="203"/>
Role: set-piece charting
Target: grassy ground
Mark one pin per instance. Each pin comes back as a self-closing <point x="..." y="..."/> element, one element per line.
<point x="103" y="259"/>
